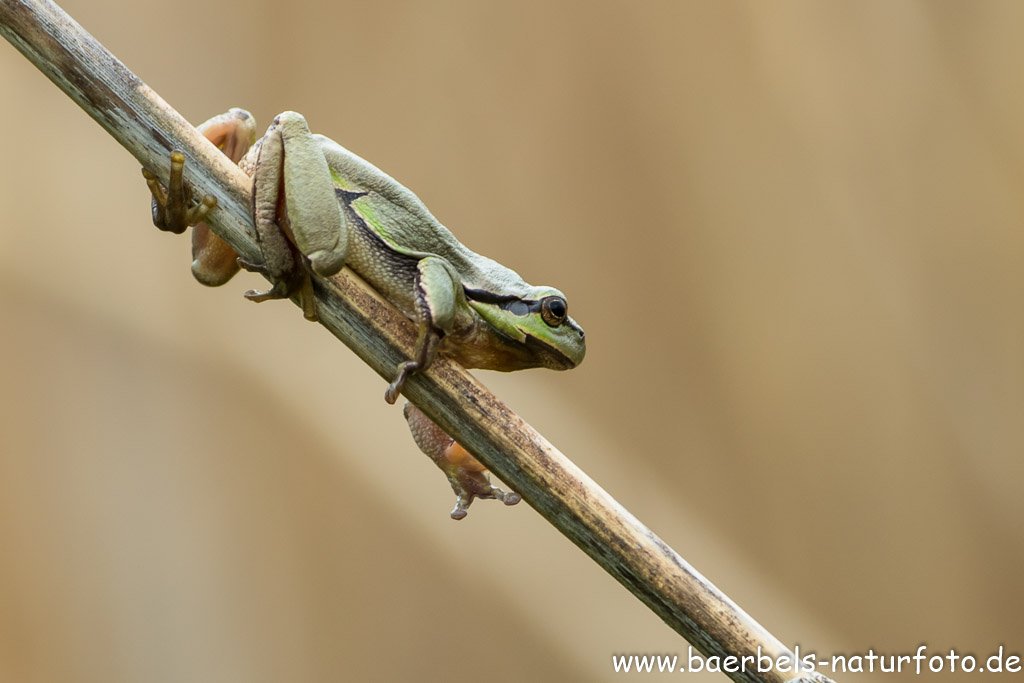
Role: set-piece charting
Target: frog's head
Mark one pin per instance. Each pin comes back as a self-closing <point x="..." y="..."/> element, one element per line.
<point x="536" y="328"/>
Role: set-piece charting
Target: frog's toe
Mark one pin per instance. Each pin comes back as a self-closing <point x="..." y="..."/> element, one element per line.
<point x="395" y="388"/>
<point x="155" y="188"/>
<point x="471" y="485"/>
<point x="307" y="299"/>
<point x="466" y="497"/>
<point x="507" y="497"/>
<point x="281" y="288"/>
<point x="198" y="212"/>
<point x="278" y="291"/>
<point x="284" y="287"/>
<point x="461" y="508"/>
<point x="250" y="266"/>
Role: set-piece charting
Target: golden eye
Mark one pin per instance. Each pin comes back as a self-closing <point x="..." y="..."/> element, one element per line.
<point x="553" y="310"/>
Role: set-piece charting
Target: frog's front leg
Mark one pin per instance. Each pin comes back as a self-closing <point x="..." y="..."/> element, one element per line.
<point x="436" y="294"/>
<point x="465" y="473"/>
<point x="299" y="224"/>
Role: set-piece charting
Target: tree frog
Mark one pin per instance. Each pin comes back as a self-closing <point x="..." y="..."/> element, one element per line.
<point x="318" y="207"/>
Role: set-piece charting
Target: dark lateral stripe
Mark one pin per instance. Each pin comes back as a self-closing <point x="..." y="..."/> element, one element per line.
<point x="512" y="304"/>
<point x="349" y="196"/>
<point x="485" y="297"/>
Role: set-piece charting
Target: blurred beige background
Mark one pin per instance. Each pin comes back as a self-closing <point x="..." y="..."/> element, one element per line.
<point x="792" y="231"/>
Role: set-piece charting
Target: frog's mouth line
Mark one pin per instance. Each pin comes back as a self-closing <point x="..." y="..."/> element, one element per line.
<point x="556" y="360"/>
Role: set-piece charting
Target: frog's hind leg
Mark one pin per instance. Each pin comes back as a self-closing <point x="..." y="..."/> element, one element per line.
<point x="173" y="209"/>
<point x="467" y="476"/>
<point x="299" y="224"/>
<point x="213" y="261"/>
<point x="232" y="132"/>
<point x="282" y="264"/>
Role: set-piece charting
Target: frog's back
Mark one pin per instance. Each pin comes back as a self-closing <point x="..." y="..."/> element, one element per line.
<point x="398" y="217"/>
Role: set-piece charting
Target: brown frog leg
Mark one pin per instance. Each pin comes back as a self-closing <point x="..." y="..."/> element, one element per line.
<point x="213" y="261"/>
<point x="465" y="473"/>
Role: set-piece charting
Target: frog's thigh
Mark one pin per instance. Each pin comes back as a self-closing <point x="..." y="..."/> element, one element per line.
<point x="266" y="184"/>
<point x="431" y="439"/>
<point x="317" y="222"/>
<point x="232" y="132"/>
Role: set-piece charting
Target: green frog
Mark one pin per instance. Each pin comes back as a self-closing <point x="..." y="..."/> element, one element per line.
<point x="318" y="207"/>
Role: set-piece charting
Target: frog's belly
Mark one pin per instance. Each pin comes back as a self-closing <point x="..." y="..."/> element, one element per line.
<point x="392" y="274"/>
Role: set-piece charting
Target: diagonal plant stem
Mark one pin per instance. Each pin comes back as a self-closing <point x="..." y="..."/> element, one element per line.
<point x="572" y="502"/>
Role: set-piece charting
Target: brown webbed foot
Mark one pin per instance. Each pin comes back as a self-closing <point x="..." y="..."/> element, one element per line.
<point x="173" y="210"/>
<point x="467" y="476"/>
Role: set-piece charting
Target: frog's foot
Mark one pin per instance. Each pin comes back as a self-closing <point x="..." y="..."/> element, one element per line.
<point x="461" y="508"/>
<point x="467" y="476"/>
<point x="296" y="284"/>
<point x="427" y="343"/>
<point x="172" y="206"/>
<point x="404" y="370"/>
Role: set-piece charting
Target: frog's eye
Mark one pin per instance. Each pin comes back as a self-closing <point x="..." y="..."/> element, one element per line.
<point x="553" y="310"/>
